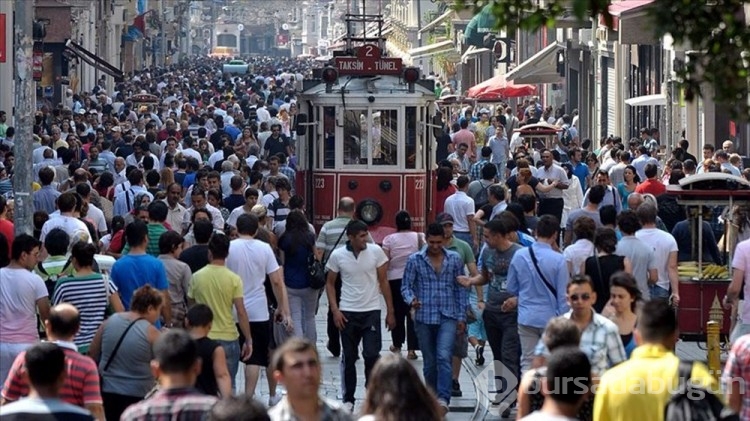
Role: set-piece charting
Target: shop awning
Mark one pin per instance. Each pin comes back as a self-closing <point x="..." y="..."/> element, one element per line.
<point x="632" y="23"/>
<point x="539" y="68"/>
<point x="472" y="52"/>
<point x="647" y="100"/>
<point x="498" y="88"/>
<point x="94" y="61"/>
<point x="438" y="21"/>
<point x="479" y="26"/>
<point x="433" y="49"/>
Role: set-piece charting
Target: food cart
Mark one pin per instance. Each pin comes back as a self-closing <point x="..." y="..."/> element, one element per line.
<point x="539" y="135"/>
<point x="702" y="285"/>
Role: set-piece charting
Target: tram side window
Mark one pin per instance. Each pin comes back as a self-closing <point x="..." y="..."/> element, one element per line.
<point x="329" y="139"/>
<point x="355" y="137"/>
<point x="384" y="137"/>
<point x="411" y="137"/>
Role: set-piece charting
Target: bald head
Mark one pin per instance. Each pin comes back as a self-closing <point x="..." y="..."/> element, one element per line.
<point x="346" y="206"/>
<point x="634" y="200"/>
<point x="63" y="322"/>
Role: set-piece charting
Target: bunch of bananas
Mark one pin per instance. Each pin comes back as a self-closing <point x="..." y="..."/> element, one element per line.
<point x="710" y="271"/>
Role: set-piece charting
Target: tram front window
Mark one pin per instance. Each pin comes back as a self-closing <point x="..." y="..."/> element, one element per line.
<point x="355" y="137"/>
<point x="384" y="137"/>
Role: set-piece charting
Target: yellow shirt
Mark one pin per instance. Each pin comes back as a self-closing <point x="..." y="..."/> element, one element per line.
<point x="481" y="134"/>
<point x="640" y="388"/>
<point x="217" y="287"/>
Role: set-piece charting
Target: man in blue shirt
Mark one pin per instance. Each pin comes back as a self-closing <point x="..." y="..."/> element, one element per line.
<point x="138" y="268"/>
<point x="538" y="276"/>
<point x="430" y="285"/>
<point x="580" y="169"/>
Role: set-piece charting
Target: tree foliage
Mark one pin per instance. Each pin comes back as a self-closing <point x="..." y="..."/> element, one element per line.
<point x="715" y="33"/>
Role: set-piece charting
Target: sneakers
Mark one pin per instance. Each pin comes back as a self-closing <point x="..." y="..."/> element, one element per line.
<point x="411" y="355"/>
<point x="443" y="407"/>
<point x="349" y="407"/>
<point x="273" y="400"/>
<point x="479" y="350"/>
<point x="456" y="390"/>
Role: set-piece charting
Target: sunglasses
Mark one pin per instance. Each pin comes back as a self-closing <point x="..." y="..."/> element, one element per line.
<point x="582" y="297"/>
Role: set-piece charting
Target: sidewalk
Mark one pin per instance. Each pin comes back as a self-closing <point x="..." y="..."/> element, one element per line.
<point x="460" y="408"/>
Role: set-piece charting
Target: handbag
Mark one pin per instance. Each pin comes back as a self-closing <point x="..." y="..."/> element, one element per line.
<point x="316" y="269"/>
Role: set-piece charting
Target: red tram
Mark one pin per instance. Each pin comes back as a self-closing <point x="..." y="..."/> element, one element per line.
<point x="368" y="137"/>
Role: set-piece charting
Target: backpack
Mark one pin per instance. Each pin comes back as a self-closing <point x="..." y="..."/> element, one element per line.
<point x="692" y="402"/>
<point x="482" y="197"/>
<point x="566" y="137"/>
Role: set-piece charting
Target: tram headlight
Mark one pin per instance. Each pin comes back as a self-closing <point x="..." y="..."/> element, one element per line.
<point x="370" y="211"/>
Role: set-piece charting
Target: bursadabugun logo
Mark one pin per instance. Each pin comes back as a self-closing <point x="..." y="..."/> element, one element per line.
<point x="497" y="384"/>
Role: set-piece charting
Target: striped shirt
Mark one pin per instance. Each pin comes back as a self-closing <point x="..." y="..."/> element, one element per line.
<point x="278" y="211"/>
<point x="330" y="232"/>
<point x="155" y="230"/>
<point x="81" y="385"/>
<point x="88" y="294"/>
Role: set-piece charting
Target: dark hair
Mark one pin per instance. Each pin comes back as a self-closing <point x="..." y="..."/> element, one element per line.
<point x="605" y="240"/>
<point x="247" y="224"/>
<point x="57" y="242"/>
<point x="435" y="230"/>
<point x="572" y="367"/>
<point x="489" y="172"/>
<point x="395" y="392"/>
<point x="596" y="194"/>
<point x="498" y="226"/>
<point x="169" y="241"/>
<point x="462" y="181"/>
<point x="46" y="176"/>
<point x="242" y="407"/>
<point x="650" y="170"/>
<point x="158" y="211"/>
<point x="580" y="280"/>
<point x="584" y="228"/>
<point x="559" y="332"/>
<point x="201" y="210"/>
<point x="136" y="232"/>
<point x="627" y="282"/>
<point x="548" y="226"/>
<point x="627" y="222"/>
<point x="251" y="191"/>
<point x="657" y="321"/>
<point x="444" y="178"/>
<point x="517" y="210"/>
<point x="527" y="202"/>
<point x="24" y="243"/>
<point x="45" y="363"/>
<point x="62" y="324"/>
<point x="202" y="231"/>
<point x="84" y="253"/>
<point x="497" y="191"/>
<point x="199" y="315"/>
<point x="355" y="227"/>
<point x="508" y="219"/>
<point x="66" y="202"/>
<point x="145" y="297"/>
<point x="636" y="177"/>
<point x="175" y="351"/>
<point x="403" y="220"/>
<point x="608" y="215"/>
<point x="297" y="233"/>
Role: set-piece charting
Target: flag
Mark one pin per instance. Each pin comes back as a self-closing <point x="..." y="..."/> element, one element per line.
<point x="140" y="6"/>
<point x="137" y="29"/>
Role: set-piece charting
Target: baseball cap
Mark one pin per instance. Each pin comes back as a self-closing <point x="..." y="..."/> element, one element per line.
<point x="444" y="218"/>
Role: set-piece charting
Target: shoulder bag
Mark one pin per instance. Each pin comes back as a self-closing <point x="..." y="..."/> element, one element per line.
<point x="316" y="269"/>
<point x="119" y="342"/>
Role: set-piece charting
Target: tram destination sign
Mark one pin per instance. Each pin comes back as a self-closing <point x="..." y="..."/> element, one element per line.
<point x="368" y="61"/>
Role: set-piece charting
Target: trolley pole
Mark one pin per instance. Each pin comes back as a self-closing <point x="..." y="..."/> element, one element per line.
<point x="23" y="28"/>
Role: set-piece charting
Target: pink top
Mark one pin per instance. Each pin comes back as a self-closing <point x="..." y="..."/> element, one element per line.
<point x="399" y="246"/>
<point x="465" y="136"/>
<point x="19" y="292"/>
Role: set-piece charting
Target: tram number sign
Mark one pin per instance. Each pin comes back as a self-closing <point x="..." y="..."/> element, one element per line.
<point x="368" y="61"/>
<point x="368" y="66"/>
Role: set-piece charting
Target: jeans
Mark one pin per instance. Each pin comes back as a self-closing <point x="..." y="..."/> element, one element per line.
<point x="404" y="331"/>
<point x="232" y="351"/>
<point x="529" y="337"/>
<point x="658" y="293"/>
<point x="302" y="303"/>
<point x="436" y="342"/>
<point x="502" y="334"/>
<point x="8" y="354"/>
<point x="360" y="327"/>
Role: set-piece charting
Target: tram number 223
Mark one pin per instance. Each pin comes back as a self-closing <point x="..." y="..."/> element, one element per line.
<point x="320" y="183"/>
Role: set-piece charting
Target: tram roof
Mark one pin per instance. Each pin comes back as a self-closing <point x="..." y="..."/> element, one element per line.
<point x="383" y="84"/>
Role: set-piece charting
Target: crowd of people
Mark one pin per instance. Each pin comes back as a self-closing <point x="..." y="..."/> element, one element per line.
<point x="170" y="246"/>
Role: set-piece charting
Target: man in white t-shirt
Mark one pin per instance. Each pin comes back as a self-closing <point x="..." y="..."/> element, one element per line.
<point x="252" y="260"/>
<point x="363" y="268"/>
<point x="22" y="293"/>
<point x="67" y="220"/>
<point x="665" y="253"/>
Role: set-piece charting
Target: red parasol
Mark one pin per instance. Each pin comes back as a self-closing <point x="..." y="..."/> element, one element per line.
<point x="498" y="87"/>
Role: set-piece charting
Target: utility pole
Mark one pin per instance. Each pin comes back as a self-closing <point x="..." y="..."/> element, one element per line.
<point x="163" y="25"/>
<point x="23" y="28"/>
